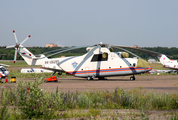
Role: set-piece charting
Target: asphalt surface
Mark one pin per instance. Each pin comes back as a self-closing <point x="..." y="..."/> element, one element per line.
<point x="160" y="84"/>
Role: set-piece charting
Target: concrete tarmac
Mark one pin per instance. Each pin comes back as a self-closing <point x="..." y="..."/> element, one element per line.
<point x="160" y="84"/>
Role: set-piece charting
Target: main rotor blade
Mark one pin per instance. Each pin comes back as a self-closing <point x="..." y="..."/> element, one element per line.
<point x="65" y="50"/>
<point x="15" y="37"/>
<point x="139" y="49"/>
<point x="127" y="51"/>
<point x="11" y="46"/>
<point x="25" y="39"/>
<point x="15" y="56"/>
<point x="54" y="50"/>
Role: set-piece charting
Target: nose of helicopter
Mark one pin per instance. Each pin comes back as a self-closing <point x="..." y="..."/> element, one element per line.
<point x="6" y="73"/>
<point x="144" y="64"/>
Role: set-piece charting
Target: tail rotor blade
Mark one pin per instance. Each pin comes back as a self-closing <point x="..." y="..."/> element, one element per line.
<point x="25" y="39"/>
<point x="15" y="37"/>
<point x="11" y="46"/>
<point x="17" y="46"/>
<point x="15" y="56"/>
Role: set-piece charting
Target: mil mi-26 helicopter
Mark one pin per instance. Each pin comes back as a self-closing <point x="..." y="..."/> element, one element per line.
<point x="99" y="61"/>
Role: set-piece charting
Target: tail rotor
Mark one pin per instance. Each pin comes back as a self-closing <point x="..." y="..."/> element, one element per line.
<point x="17" y="46"/>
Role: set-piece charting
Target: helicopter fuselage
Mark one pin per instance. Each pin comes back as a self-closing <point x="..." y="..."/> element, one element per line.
<point x="3" y="72"/>
<point x="100" y="62"/>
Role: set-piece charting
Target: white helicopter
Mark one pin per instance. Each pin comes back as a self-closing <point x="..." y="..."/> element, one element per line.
<point x="4" y="71"/>
<point x="99" y="61"/>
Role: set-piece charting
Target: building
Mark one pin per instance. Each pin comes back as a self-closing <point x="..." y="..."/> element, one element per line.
<point x="152" y="61"/>
<point x="51" y="45"/>
<point x="136" y="46"/>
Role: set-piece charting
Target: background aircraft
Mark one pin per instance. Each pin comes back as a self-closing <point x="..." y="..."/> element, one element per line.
<point x="3" y="71"/>
<point x="99" y="61"/>
<point x="167" y="63"/>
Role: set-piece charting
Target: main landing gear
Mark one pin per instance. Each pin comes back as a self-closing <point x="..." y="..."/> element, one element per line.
<point x="89" y="78"/>
<point x="132" y="78"/>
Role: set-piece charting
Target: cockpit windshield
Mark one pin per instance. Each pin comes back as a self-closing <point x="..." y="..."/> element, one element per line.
<point x="3" y="69"/>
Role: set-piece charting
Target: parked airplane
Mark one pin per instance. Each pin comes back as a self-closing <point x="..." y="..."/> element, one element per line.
<point x="3" y="71"/>
<point x="99" y="62"/>
<point x="167" y="63"/>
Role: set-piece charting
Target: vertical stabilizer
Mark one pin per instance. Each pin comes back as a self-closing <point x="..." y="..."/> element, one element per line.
<point x="163" y="59"/>
<point x="26" y="55"/>
<point x="31" y="59"/>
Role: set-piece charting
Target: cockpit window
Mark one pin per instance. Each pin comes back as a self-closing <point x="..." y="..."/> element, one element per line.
<point x="2" y="69"/>
<point x="100" y="57"/>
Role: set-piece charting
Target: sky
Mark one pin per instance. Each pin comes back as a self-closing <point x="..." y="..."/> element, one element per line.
<point x="147" y="23"/>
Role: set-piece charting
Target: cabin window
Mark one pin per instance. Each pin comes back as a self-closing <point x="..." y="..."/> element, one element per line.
<point x="100" y="57"/>
<point x="134" y="64"/>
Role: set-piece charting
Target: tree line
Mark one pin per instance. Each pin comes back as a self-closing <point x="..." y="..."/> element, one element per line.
<point x="8" y="54"/>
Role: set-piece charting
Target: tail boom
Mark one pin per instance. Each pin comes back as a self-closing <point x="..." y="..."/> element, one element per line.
<point x="31" y="59"/>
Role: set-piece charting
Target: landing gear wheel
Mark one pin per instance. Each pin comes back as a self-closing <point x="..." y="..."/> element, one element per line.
<point x="59" y="73"/>
<point x="132" y="78"/>
<point x="89" y="78"/>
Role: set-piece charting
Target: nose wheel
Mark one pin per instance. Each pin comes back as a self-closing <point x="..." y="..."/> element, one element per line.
<point x="132" y="78"/>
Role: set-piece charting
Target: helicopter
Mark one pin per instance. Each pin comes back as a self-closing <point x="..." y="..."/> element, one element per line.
<point x="99" y="62"/>
<point x="4" y="71"/>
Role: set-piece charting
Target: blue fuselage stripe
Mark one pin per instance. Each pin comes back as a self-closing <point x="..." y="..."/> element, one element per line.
<point x="108" y="70"/>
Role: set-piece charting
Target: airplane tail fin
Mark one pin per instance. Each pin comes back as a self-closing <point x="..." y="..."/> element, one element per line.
<point x="163" y="59"/>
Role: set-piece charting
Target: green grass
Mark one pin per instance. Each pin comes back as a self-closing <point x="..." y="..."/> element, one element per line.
<point x="43" y="104"/>
<point x="157" y="66"/>
<point x="40" y="104"/>
<point x="17" y="64"/>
